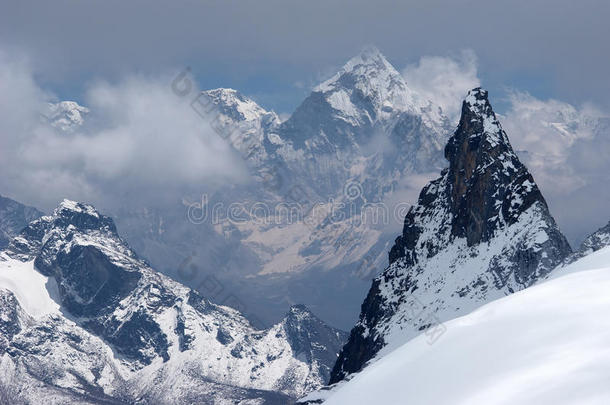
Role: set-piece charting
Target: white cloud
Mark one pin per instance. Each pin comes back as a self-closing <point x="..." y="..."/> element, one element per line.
<point x="444" y="80"/>
<point x="566" y="148"/>
<point x="140" y="142"/>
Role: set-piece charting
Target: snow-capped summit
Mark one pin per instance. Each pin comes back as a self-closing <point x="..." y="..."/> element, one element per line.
<point x="365" y="120"/>
<point x="66" y="116"/>
<point x="239" y="107"/>
<point x="479" y="232"/>
<point x="368" y="88"/>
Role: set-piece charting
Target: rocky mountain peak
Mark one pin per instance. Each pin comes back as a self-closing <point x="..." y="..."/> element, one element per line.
<point x="82" y="217"/>
<point x="114" y="310"/>
<point x="238" y="107"/>
<point x="368" y="88"/>
<point x="489" y="186"/>
<point x="479" y="232"/>
<point x="366" y="96"/>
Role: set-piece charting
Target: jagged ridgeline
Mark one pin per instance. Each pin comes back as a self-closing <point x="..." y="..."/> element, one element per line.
<point x="84" y="320"/>
<point x="479" y="232"/>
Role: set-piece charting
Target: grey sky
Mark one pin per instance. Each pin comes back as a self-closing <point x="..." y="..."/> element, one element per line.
<point x="275" y="50"/>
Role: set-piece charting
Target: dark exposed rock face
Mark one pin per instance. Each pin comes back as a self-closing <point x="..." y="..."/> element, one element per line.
<point x="94" y="271"/>
<point x="480" y="231"/>
<point x="13" y="218"/>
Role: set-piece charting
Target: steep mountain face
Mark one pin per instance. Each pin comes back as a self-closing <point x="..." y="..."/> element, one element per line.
<point x="479" y="232"/>
<point x="365" y="121"/>
<point x="86" y="319"/>
<point x="14" y="217"/>
<point x="544" y="345"/>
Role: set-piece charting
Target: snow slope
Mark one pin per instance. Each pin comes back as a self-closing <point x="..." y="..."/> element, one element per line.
<point x="547" y="344"/>
<point x="34" y="291"/>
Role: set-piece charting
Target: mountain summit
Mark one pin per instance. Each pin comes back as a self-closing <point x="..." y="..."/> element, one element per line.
<point x="479" y="232"/>
<point x="370" y="77"/>
<point x="366" y="92"/>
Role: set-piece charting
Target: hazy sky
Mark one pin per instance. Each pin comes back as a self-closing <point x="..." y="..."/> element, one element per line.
<point x="276" y="50"/>
<point x="543" y="62"/>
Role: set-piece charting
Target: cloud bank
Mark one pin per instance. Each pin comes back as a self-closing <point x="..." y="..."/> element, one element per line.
<point x="566" y="149"/>
<point x="444" y="80"/>
<point x="140" y="143"/>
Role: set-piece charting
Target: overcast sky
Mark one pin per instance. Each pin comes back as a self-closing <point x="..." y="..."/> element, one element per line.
<point x="542" y="61"/>
<point x="276" y="51"/>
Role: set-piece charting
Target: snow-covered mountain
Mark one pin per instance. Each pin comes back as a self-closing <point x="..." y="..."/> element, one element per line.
<point x="364" y="123"/>
<point x="14" y="216"/>
<point x="85" y="320"/>
<point x="361" y="140"/>
<point x="547" y="344"/>
<point x="479" y="232"/>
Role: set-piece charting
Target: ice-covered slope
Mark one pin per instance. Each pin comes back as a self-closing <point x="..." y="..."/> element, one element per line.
<point x="547" y="344"/>
<point x="92" y="319"/>
<point x="479" y="232"/>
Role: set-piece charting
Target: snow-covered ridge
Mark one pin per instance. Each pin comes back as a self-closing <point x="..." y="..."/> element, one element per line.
<point x="239" y="106"/>
<point x="547" y="344"/>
